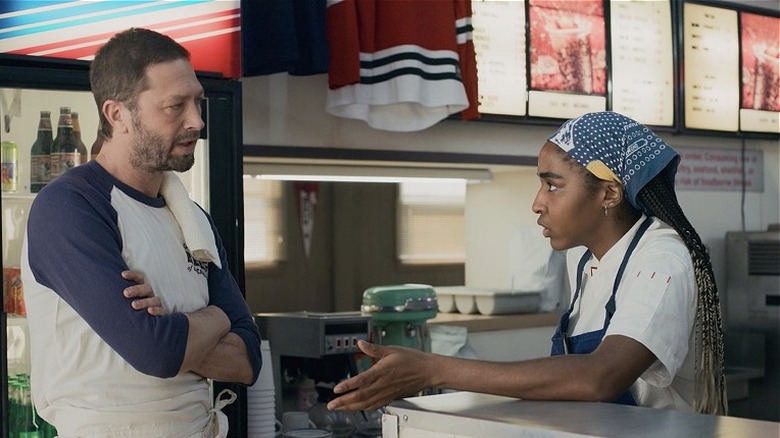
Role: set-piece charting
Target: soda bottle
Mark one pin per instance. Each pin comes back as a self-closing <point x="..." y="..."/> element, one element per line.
<point x="13" y="407"/>
<point x="27" y="424"/>
<point x="77" y="133"/>
<point x="16" y="291"/>
<point x="10" y="177"/>
<point x="97" y="145"/>
<point x="40" y="154"/>
<point x="47" y="430"/>
<point x="64" y="151"/>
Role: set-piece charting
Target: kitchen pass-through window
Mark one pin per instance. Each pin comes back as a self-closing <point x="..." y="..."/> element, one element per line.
<point x="431" y="222"/>
<point x="263" y="225"/>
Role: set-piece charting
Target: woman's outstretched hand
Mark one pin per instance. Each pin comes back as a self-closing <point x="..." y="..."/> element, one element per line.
<point x="399" y="372"/>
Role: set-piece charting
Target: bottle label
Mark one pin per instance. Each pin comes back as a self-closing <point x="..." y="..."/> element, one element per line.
<point x="40" y="170"/>
<point x="8" y="176"/>
<point x="54" y="167"/>
<point x="61" y="162"/>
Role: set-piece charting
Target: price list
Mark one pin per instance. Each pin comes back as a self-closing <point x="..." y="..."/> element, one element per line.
<point x="499" y="42"/>
<point x="642" y="61"/>
<point x="711" y="50"/>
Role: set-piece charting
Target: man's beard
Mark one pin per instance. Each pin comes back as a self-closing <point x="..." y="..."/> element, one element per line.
<point x="151" y="155"/>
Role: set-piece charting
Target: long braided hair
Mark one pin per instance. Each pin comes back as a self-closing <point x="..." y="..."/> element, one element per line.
<point x="613" y="147"/>
<point x="660" y="200"/>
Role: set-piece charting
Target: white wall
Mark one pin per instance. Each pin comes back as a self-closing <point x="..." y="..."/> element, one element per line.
<point x="288" y="110"/>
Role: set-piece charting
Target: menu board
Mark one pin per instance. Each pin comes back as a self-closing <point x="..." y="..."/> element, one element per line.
<point x="642" y="60"/>
<point x="760" y="42"/>
<point x="499" y="42"/>
<point x="567" y="58"/>
<point x="711" y="51"/>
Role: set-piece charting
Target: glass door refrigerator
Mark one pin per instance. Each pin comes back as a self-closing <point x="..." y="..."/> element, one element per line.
<point x="30" y="85"/>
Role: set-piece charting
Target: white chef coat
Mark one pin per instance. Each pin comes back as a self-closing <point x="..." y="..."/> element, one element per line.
<point x="655" y="305"/>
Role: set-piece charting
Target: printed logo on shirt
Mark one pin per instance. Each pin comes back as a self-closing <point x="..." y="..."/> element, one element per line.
<point x="196" y="266"/>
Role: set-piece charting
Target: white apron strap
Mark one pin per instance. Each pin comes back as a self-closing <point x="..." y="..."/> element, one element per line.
<point x="218" y="421"/>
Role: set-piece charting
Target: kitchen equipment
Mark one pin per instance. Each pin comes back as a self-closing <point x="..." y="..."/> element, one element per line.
<point x="399" y="313"/>
<point x="751" y="323"/>
<point x="753" y="281"/>
<point x="311" y="346"/>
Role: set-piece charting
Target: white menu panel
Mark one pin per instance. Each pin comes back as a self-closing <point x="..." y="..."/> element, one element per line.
<point x="564" y="106"/>
<point x="642" y="60"/>
<point x="759" y="121"/>
<point x="711" y="51"/>
<point x="499" y="41"/>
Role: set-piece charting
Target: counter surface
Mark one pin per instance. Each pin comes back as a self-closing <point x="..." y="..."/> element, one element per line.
<point x="467" y="414"/>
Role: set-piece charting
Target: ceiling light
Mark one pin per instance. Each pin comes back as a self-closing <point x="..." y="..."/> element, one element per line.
<point x="358" y="173"/>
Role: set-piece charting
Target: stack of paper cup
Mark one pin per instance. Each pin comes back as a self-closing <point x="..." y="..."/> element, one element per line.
<point x="261" y="409"/>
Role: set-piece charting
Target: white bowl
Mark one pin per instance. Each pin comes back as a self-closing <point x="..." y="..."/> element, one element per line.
<point x="446" y="303"/>
<point x="466" y="304"/>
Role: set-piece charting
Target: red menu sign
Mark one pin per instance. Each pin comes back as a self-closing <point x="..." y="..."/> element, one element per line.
<point x="760" y="105"/>
<point x="209" y="29"/>
<point x="568" y="58"/>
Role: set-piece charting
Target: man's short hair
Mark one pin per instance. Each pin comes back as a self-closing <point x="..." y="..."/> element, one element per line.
<point x="118" y="71"/>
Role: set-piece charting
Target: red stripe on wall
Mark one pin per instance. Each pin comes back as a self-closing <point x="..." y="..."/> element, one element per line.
<point x="219" y="53"/>
<point x="177" y="34"/>
<point x="105" y="36"/>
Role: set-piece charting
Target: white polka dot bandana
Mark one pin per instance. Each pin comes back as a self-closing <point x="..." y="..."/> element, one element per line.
<point x="626" y="147"/>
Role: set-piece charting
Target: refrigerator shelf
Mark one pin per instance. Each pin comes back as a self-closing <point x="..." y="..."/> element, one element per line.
<point x="19" y="196"/>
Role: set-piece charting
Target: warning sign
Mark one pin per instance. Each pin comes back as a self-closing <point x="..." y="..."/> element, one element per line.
<point x="720" y="170"/>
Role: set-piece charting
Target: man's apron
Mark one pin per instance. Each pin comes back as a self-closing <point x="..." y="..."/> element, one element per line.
<point x="218" y="421"/>
<point x="217" y="426"/>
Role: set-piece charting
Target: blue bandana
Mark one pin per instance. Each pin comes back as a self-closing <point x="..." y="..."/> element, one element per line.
<point x="615" y="147"/>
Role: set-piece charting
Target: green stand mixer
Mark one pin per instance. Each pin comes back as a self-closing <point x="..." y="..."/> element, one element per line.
<point x="399" y="314"/>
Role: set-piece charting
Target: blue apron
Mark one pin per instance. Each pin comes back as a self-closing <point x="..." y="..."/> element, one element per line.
<point x="586" y="343"/>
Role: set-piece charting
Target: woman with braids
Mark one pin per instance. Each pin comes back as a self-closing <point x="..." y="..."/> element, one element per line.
<point x="644" y="323"/>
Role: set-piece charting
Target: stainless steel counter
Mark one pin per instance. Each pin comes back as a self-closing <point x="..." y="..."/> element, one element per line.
<point x="466" y="414"/>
